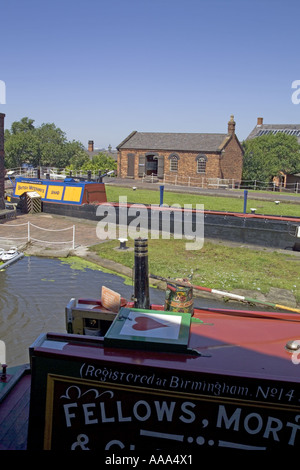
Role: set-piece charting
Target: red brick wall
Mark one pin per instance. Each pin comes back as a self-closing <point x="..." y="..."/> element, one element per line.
<point x="187" y="166"/>
<point x="232" y="161"/>
<point x="225" y="166"/>
<point x="2" y="205"/>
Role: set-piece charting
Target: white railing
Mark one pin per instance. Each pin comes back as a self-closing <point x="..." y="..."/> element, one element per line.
<point x="229" y="183"/>
<point x="29" y="237"/>
<point x="270" y="185"/>
<point x="20" y="171"/>
<point x="52" y="171"/>
<point x="153" y="178"/>
<point x="200" y="182"/>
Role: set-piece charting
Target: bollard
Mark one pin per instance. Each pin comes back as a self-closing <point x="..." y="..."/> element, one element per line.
<point x="141" y="279"/>
<point x="245" y="200"/>
<point x="161" y="195"/>
<point x="123" y="244"/>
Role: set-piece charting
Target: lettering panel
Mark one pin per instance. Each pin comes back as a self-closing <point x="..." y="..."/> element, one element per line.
<point x="50" y="190"/>
<point x="55" y="192"/>
<point x="89" y="415"/>
<point x="22" y="188"/>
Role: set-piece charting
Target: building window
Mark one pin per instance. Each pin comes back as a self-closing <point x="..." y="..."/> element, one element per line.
<point x="174" y="162"/>
<point x="201" y="163"/>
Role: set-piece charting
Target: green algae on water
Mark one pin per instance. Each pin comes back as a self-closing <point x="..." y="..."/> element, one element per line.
<point x="80" y="264"/>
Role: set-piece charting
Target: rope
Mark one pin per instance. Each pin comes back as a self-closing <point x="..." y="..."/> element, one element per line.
<point x="49" y="229"/>
<point x="30" y="238"/>
<point x="21" y="238"/>
<point x="46" y="241"/>
<point x="14" y="225"/>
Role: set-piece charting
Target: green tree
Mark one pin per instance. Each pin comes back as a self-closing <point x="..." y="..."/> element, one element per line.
<point x="25" y="125"/>
<point x="268" y="155"/>
<point x="54" y="148"/>
<point x="77" y="161"/>
<point x="46" y="145"/>
<point x="20" y="147"/>
<point x="101" y="161"/>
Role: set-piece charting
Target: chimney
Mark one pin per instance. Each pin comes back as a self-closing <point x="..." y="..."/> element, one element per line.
<point x="91" y="146"/>
<point x="231" y="125"/>
<point x="2" y="170"/>
<point x="260" y="121"/>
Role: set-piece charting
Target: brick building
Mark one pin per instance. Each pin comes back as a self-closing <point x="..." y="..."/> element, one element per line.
<point x="2" y="170"/>
<point x="200" y="157"/>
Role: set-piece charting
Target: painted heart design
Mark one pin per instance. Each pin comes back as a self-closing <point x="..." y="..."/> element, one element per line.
<point x="146" y="323"/>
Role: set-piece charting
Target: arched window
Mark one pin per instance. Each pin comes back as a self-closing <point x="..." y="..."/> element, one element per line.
<point x="173" y="161"/>
<point x="201" y="163"/>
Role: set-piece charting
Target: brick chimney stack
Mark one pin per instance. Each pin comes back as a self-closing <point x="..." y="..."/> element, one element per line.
<point x="231" y="125"/>
<point x="260" y="121"/>
<point x="91" y="146"/>
<point x="2" y="170"/>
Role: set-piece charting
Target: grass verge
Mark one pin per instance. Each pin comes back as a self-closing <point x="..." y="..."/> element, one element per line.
<point x="215" y="266"/>
<point x="216" y="203"/>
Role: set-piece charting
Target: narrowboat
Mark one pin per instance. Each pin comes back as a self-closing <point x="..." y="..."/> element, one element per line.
<point x="130" y="377"/>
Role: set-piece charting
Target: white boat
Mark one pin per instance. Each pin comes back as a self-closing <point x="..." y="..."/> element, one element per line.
<point x="9" y="254"/>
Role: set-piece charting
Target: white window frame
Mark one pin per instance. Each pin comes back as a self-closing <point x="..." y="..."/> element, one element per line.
<point x="201" y="164"/>
<point x="173" y="162"/>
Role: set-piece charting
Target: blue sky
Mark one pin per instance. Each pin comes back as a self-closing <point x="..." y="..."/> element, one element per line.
<point x="101" y="69"/>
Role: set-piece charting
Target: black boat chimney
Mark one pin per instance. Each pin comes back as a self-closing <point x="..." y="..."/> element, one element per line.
<point x="141" y="279"/>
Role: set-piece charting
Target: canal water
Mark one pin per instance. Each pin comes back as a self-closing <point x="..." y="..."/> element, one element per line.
<point x="34" y="292"/>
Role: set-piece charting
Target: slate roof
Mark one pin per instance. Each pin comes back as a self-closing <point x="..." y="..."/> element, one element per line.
<point x="265" y="129"/>
<point x="174" y="141"/>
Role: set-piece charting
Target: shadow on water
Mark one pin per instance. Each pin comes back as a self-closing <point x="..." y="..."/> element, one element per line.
<point x="34" y="292"/>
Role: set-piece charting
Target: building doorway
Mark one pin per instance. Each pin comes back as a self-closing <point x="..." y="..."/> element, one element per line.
<point x="130" y="165"/>
<point x="151" y="165"/>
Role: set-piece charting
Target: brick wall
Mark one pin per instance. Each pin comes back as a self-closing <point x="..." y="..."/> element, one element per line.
<point x="229" y="164"/>
<point x="2" y="204"/>
<point x="187" y="166"/>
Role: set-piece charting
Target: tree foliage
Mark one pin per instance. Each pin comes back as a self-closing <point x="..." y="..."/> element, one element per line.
<point x="269" y="155"/>
<point x="45" y="145"/>
<point x="101" y="161"/>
